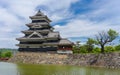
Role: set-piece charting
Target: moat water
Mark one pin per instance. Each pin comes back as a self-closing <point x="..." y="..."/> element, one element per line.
<point x="32" y="69"/>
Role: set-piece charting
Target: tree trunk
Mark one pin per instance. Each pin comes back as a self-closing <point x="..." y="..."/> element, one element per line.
<point x="102" y="48"/>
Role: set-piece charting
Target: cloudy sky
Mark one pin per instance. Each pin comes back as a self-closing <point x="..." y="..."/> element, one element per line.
<point x="75" y="19"/>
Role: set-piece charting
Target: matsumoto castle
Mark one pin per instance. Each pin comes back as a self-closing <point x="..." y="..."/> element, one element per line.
<point x="41" y="37"/>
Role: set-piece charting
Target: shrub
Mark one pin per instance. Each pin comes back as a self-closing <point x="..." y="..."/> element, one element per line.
<point x="83" y="49"/>
<point x="109" y="49"/>
<point x="117" y="48"/>
<point x="76" y="49"/>
<point x="8" y="54"/>
<point x="96" y="50"/>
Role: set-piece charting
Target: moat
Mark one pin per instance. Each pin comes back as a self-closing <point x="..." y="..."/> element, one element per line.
<point x="35" y="69"/>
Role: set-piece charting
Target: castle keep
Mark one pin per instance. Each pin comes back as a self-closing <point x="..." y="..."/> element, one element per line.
<point x="41" y="37"/>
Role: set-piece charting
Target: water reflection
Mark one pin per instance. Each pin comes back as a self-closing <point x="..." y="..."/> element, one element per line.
<point x="30" y="69"/>
<point x="8" y="69"/>
<point x="64" y="70"/>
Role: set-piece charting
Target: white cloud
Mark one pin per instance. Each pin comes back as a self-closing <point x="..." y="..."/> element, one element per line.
<point x="83" y="28"/>
<point x="103" y="16"/>
<point x="59" y="10"/>
<point x="106" y="10"/>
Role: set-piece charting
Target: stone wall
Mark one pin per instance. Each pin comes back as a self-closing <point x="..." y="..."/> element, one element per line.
<point x="109" y="60"/>
<point x="38" y="58"/>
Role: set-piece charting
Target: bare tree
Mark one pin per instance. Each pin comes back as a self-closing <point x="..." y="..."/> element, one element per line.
<point x="105" y="37"/>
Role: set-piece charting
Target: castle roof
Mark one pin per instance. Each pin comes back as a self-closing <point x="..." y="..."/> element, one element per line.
<point x="39" y="13"/>
<point x="65" y="41"/>
<point x="53" y="34"/>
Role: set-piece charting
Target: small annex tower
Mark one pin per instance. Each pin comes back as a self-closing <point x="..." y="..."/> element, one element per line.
<point x="41" y="37"/>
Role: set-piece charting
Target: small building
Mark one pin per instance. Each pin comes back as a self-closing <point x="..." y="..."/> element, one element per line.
<point x="41" y="37"/>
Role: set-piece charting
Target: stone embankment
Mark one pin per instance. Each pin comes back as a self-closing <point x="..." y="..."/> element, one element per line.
<point x="38" y="58"/>
<point x="109" y="60"/>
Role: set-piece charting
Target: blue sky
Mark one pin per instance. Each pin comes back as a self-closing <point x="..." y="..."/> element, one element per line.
<point x="74" y="19"/>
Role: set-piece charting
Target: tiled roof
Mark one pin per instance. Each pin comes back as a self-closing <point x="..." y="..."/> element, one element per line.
<point x="35" y="33"/>
<point x="39" y="13"/>
<point x="53" y="34"/>
<point x="65" y="41"/>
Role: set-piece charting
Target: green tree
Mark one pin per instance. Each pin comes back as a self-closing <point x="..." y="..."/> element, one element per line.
<point x="8" y="54"/>
<point x="83" y="49"/>
<point x="76" y="47"/>
<point x="105" y="37"/>
<point x="90" y="44"/>
<point x="0" y="54"/>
